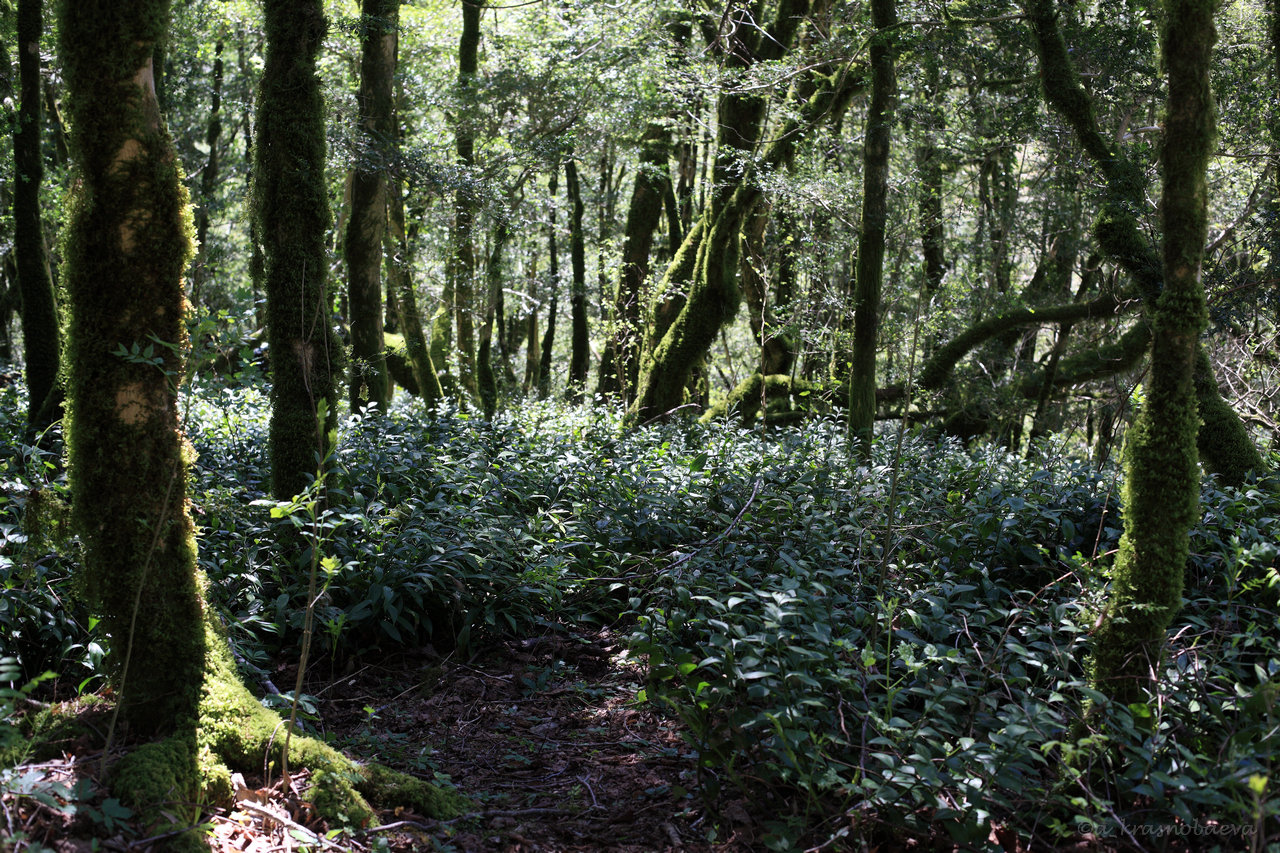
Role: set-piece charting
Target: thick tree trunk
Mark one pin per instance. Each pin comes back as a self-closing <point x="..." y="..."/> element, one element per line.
<point x="129" y="243"/>
<point x="1162" y="483"/>
<point x="292" y="209"/>
<point x="367" y="224"/>
<point x="40" y="333"/>
<point x="579" y="353"/>
<point x="871" y="239"/>
<point x="462" y="262"/>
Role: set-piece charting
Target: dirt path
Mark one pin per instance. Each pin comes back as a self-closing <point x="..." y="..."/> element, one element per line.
<point x="545" y="735"/>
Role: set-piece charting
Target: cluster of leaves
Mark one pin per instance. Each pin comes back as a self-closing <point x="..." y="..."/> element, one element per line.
<point x="926" y="676"/>
<point x="885" y="651"/>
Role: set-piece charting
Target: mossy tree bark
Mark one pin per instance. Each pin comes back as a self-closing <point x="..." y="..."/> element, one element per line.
<point x="580" y="346"/>
<point x="462" y="262"/>
<point x="41" y="335"/>
<point x="1162" y="484"/>
<point x="707" y="261"/>
<point x="366" y="225"/>
<point x="1225" y="446"/>
<point x="401" y="290"/>
<point x="292" y="209"/>
<point x="871" y="237"/>
<point x="129" y="241"/>
<point x="620" y="362"/>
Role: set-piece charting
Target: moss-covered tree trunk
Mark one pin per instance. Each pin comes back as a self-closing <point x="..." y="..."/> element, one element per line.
<point x="366" y="225"/>
<point x="580" y="346"/>
<point x="40" y="328"/>
<point x="129" y="241"/>
<point x="462" y="262"/>
<point x="1224" y="442"/>
<point x="292" y="209"/>
<point x="620" y="362"/>
<point x="1162" y="484"/>
<point x="707" y="261"/>
<point x="400" y="288"/>
<point x="871" y="237"/>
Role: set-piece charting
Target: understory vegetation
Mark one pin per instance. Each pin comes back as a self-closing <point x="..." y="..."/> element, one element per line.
<point x="872" y="651"/>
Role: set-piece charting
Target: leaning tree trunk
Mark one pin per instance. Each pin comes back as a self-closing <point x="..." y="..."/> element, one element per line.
<point x="1162" y="484"/>
<point x="870" y="268"/>
<point x="620" y="363"/>
<point x="400" y="285"/>
<point x="1225" y="446"/>
<point x="367" y="223"/>
<point x="579" y="353"/>
<point x="292" y="208"/>
<point x="707" y="260"/>
<point x="40" y="332"/>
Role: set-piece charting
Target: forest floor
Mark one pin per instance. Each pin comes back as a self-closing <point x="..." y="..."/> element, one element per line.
<point x="545" y="735"/>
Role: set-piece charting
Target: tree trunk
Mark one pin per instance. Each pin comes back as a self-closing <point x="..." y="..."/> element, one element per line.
<point x="870" y="268"/>
<point x="1225" y="446"/>
<point x="580" y="353"/>
<point x="553" y="294"/>
<point x="488" y="380"/>
<point x="367" y="224"/>
<point x="620" y="362"/>
<point x="40" y="333"/>
<point x="200" y="272"/>
<point x="1162" y="484"/>
<point x="400" y="287"/>
<point x="129" y="243"/>
<point x="707" y="261"/>
<point x="291" y="205"/>
<point x="462" y="263"/>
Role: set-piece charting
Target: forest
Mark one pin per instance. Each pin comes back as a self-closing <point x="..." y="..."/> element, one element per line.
<point x="635" y="425"/>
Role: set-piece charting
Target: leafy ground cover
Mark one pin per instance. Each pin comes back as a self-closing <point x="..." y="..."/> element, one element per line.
<point x="695" y="637"/>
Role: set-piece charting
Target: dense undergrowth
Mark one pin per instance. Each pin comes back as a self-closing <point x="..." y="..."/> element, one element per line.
<point x="875" y="653"/>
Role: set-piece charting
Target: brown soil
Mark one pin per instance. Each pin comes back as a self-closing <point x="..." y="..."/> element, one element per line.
<point x="545" y="735"/>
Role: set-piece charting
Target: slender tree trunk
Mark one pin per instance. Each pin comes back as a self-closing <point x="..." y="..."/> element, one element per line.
<point x="1162" y="483"/>
<point x="488" y="380"/>
<point x="553" y="293"/>
<point x="871" y="239"/>
<point x="40" y="333"/>
<point x="367" y="225"/>
<point x="929" y="165"/>
<point x="292" y="208"/>
<point x="580" y="353"/>
<point x="208" y="181"/>
<point x="400" y="287"/>
<point x="462" y="263"/>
